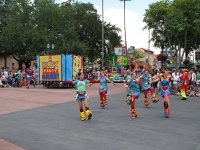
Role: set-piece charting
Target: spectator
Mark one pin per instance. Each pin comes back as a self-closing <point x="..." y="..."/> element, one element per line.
<point x="78" y="74"/>
<point x="193" y="79"/>
<point x="175" y="79"/>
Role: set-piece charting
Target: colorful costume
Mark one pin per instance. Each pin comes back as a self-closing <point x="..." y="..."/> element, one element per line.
<point x="134" y="93"/>
<point x="81" y="96"/>
<point x="146" y="86"/>
<point x="103" y="91"/>
<point x="165" y="91"/>
<point x="128" y="97"/>
<point x="184" y="84"/>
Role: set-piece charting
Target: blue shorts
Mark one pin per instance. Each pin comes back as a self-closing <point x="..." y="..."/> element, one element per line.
<point x="81" y="96"/>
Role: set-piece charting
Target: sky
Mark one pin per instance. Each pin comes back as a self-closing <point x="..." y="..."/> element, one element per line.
<point x="114" y="13"/>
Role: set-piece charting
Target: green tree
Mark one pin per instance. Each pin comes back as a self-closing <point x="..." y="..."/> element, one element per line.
<point x="178" y="21"/>
<point x="19" y="33"/>
<point x="137" y="54"/>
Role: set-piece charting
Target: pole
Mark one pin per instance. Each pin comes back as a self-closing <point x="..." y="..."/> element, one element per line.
<point x="125" y="22"/>
<point x="149" y="47"/>
<point x="102" y="53"/>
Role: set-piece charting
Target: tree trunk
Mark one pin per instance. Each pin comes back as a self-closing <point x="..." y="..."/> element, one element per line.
<point x="179" y="56"/>
<point x="185" y="44"/>
<point x="27" y="64"/>
<point x="20" y="64"/>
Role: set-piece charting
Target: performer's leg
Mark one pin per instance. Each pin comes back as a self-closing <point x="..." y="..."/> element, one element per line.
<point x="146" y="101"/>
<point x="166" y="103"/>
<point x="82" y="113"/>
<point x="87" y="109"/>
<point x="133" y="110"/>
<point x="186" y="89"/>
<point x="153" y="95"/>
<point x="102" y="100"/>
<point x="183" y="92"/>
<point x="106" y="98"/>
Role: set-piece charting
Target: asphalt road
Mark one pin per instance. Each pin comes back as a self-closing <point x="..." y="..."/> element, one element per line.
<point x="58" y="127"/>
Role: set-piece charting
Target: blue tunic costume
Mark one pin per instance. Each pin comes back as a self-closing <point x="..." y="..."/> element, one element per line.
<point x="145" y="83"/>
<point x="103" y="84"/>
<point x="134" y="89"/>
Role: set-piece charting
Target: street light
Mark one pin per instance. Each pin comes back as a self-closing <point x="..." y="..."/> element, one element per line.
<point x="162" y="40"/>
<point x="50" y="47"/>
<point x="149" y="45"/>
<point x="102" y="52"/>
<point x="125" y="21"/>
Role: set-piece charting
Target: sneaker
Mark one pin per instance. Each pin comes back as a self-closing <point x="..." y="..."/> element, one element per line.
<point x="82" y="116"/>
<point x="88" y="114"/>
<point x="134" y="113"/>
<point x="146" y="102"/>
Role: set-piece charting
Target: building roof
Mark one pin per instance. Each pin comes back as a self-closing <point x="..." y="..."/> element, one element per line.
<point x="146" y="50"/>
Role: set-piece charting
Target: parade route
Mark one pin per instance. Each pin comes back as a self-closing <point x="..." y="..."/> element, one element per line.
<point x="48" y="119"/>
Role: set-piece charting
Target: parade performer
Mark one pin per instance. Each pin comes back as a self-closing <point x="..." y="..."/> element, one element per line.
<point x="146" y="86"/>
<point x="134" y="93"/>
<point x="184" y="84"/>
<point x="165" y="91"/>
<point x="127" y="78"/>
<point x="103" y="89"/>
<point x="82" y="97"/>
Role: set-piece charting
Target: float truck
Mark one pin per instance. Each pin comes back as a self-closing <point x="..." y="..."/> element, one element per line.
<point x="58" y="70"/>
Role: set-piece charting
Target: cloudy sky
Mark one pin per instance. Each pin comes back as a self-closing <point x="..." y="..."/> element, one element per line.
<point x="114" y="13"/>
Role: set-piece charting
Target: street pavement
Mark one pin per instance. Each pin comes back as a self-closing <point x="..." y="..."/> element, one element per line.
<point x="48" y="119"/>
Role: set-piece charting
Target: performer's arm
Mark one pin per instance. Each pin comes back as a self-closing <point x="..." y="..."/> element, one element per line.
<point x="111" y="81"/>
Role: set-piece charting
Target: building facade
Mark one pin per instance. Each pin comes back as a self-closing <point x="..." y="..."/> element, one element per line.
<point x="148" y="61"/>
<point x="10" y="63"/>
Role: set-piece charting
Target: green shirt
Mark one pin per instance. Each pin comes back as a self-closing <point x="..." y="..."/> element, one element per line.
<point x="198" y="76"/>
<point x="81" y="85"/>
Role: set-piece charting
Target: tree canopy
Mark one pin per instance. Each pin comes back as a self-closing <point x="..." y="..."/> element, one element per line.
<point x="73" y="27"/>
<point x="178" y="21"/>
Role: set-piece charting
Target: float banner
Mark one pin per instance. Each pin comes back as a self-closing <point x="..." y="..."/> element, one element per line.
<point x="77" y="64"/>
<point x="69" y="69"/>
<point x="50" y="68"/>
<point x="122" y="61"/>
<point x="120" y="51"/>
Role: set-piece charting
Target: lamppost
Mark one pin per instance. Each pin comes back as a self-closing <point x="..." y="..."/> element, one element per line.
<point x="149" y="45"/>
<point x="102" y="52"/>
<point x="125" y="21"/>
<point x="162" y="40"/>
<point x="50" y="48"/>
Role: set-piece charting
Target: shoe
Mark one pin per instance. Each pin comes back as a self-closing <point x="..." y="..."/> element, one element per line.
<point x="154" y="100"/>
<point x="146" y="102"/>
<point x="82" y="115"/>
<point x="134" y="113"/>
<point x="88" y="114"/>
<point x="183" y="98"/>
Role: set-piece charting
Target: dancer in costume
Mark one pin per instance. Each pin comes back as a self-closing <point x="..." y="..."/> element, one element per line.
<point x="127" y="78"/>
<point x="103" y="89"/>
<point x="146" y="86"/>
<point x="82" y="97"/>
<point x="165" y="91"/>
<point x="134" y="93"/>
<point x="184" y="84"/>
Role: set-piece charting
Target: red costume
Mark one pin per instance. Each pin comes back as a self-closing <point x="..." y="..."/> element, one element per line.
<point x="185" y="84"/>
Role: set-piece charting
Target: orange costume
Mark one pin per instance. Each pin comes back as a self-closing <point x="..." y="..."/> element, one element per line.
<point x="185" y="84"/>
